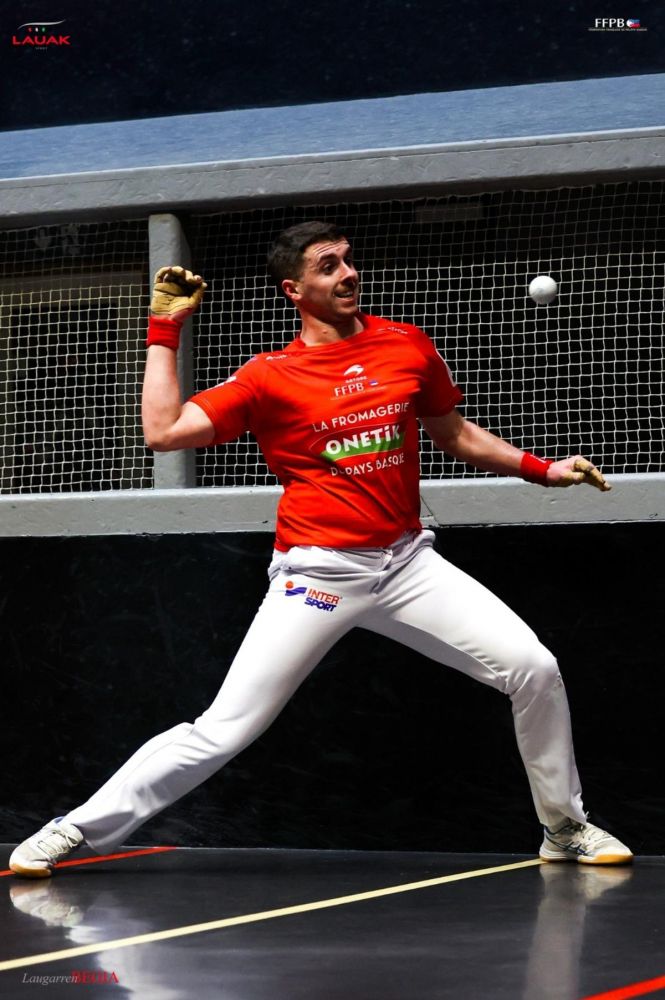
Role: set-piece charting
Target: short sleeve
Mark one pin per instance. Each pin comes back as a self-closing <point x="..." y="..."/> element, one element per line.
<point x="439" y="393"/>
<point x="231" y="404"/>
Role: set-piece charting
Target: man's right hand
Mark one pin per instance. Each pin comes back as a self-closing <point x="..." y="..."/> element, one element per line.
<point x="176" y="293"/>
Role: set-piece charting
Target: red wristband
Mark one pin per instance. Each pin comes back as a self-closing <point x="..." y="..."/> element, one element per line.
<point x="534" y="469"/>
<point x="163" y="331"/>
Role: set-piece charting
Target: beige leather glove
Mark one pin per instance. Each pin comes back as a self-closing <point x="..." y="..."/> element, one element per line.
<point x="176" y="293"/>
<point x="576" y="470"/>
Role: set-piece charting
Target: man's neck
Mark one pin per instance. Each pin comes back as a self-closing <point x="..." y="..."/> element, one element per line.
<point x="316" y="332"/>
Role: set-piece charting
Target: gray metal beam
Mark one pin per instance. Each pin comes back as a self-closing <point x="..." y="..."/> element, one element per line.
<point x="484" y="501"/>
<point x="366" y="175"/>
<point x="168" y="245"/>
<point x="536" y="135"/>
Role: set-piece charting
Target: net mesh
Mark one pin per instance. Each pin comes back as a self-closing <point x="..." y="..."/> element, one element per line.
<point x="72" y="321"/>
<point x="583" y="374"/>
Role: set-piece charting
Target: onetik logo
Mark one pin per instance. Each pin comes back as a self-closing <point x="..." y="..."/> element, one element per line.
<point x="36" y="35"/>
<point x="390" y="437"/>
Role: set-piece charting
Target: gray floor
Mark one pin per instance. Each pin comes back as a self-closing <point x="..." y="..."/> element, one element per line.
<point x="534" y="932"/>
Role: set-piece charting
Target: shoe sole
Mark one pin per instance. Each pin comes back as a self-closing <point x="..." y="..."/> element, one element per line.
<point x="31" y="872"/>
<point x="602" y="859"/>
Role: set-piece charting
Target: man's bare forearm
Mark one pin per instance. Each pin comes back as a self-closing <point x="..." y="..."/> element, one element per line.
<point x="161" y="404"/>
<point x="470" y="443"/>
<point x="482" y="449"/>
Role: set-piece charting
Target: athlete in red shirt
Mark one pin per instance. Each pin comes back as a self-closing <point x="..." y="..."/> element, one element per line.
<point x="336" y="414"/>
<point x="337" y="424"/>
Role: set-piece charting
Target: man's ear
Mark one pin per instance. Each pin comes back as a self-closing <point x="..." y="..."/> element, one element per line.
<point x="290" y="289"/>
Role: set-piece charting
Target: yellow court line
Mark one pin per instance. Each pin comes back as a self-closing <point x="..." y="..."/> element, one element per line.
<point x="250" y="918"/>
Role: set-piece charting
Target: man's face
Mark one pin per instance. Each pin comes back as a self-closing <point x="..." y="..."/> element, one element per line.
<point x="328" y="285"/>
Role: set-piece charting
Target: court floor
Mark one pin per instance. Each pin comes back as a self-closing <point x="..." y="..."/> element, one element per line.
<point x="169" y="923"/>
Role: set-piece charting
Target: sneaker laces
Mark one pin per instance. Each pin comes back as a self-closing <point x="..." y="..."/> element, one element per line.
<point x="53" y="850"/>
<point x="586" y="834"/>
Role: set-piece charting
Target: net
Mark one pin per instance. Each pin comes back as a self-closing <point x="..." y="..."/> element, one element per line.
<point x="583" y="374"/>
<point x="71" y="358"/>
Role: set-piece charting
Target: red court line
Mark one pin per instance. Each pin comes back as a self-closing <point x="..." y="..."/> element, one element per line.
<point x="106" y="857"/>
<point x="634" y="990"/>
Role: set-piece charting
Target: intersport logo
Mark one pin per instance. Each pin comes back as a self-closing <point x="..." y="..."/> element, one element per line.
<point x="40" y="35"/>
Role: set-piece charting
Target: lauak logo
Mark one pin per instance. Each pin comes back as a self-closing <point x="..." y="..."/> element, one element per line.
<point x="40" y="35"/>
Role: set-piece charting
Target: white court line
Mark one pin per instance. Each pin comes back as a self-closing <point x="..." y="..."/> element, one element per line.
<point x="250" y="918"/>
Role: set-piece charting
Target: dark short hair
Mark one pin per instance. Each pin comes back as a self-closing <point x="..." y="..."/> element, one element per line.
<point x="285" y="259"/>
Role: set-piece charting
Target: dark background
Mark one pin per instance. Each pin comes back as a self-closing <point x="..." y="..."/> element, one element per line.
<point x="147" y="59"/>
<point x="111" y="640"/>
<point x="108" y="641"/>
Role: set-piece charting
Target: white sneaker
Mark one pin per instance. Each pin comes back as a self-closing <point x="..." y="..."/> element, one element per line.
<point x="585" y="843"/>
<point x="37" y="855"/>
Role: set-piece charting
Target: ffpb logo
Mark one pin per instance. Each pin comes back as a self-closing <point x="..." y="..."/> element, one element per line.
<point x="40" y="35"/>
<point x="617" y="24"/>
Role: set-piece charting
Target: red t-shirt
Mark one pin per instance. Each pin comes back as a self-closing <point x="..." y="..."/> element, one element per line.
<point x="337" y="425"/>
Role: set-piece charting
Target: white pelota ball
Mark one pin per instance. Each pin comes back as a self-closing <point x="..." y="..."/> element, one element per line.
<point x="543" y="289"/>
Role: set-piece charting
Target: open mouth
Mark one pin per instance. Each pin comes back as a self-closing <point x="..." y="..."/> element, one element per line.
<point x="348" y="294"/>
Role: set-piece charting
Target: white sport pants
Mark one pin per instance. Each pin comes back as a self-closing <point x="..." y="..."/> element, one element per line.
<point x="316" y="595"/>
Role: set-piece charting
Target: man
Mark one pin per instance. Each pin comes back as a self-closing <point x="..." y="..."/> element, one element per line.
<point x="336" y="415"/>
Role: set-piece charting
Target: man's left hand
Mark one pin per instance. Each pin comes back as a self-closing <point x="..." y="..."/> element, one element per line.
<point x="574" y="471"/>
